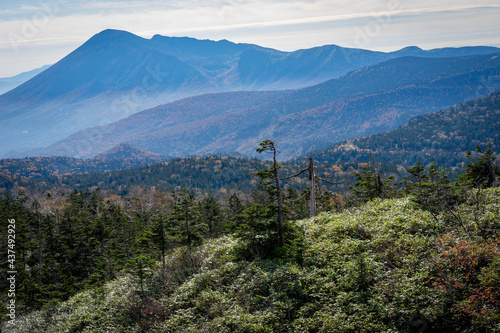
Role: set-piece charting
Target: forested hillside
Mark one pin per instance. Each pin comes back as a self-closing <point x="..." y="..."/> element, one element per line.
<point x="46" y="167"/>
<point x="444" y="137"/>
<point x="220" y="243"/>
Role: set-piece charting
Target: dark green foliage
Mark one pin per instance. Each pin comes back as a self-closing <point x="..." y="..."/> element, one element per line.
<point x="211" y="216"/>
<point x="272" y="175"/>
<point x="189" y="228"/>
<point x="142" y="267"/>
<point x="160" y="236"/>
<point x="67" y="244"/>
<point x="209" y="174"/>
<point x="432" y="263"/>
<point x="371" y="184"/>
<point x="432" y="191"/>
<point x="482" y="171"/>
<point x="268" y="221"/>
<point x="386" y="266"/>
<point x="263" y="232"/>
<point x="233" y="213"/>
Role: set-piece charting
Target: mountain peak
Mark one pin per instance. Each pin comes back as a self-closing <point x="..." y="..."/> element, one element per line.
<point x="112" y="36"/>
<point x="411" y="49"/>
<point x="189" y="41"/>
<point x="126" y="151"/>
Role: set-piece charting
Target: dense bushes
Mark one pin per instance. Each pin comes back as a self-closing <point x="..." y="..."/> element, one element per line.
<point x="387" y="266"/>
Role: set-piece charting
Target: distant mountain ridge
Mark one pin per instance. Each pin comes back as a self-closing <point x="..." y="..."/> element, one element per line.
<point x="9" y="83"/>
<point x="367" y="101"/>
<point x="126" y="152"/>
<point x="116" y="74"/>
<point x="121" y="157"/>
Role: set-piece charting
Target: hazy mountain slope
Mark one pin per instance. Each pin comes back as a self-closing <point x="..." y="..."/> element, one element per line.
<point x="116" y="74"/>
<point x="168" y="118"/>
<point x="313" y="66"/>
<point x="369" y="100"/>
<point x="444" y="137"/>
<point x="9" y="83"/>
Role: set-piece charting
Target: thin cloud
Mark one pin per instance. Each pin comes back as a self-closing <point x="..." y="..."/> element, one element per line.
<point x="329" y="18"/>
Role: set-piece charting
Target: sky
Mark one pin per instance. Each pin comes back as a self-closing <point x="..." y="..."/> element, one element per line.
<point x="34" y="33"/>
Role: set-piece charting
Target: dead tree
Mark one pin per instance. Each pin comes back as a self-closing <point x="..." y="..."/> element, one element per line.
<point x="312" y="185"/>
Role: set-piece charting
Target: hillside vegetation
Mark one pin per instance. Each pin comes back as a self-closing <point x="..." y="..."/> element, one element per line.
<point x="443" y="137"/>
<point x="386" y="266"/>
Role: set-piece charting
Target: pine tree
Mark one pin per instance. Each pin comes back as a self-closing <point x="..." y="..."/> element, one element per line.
<point x="371" y="184"/>
<point x="210" y="215"/>
<point x="482" y="171"/>
<point x="160" y="236"/>
<point x="185" y="214"/>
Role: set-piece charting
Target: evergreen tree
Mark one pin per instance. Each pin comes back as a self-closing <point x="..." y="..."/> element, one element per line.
<point x="160" y="236"/>
<point x="371" y="184"/>
<point x="482" y="171"/>
<point x="211" y="215"/>
<point x="189" y="229"/>
<point x="418" y="173"/>
<point x="233" y="213"/>
<point x="141" y="267"/>
<point x="263" y="227"/>
<point x="433" y="191"/>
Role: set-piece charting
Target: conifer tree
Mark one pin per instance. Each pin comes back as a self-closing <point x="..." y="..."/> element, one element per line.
<point x="233" y="213"/>
<point x="159" y="235"/>
<point x="482" y="171"/>
<point x="371" y="184"/>
<point x="185" y="213"/>
<point x="210" y="215"/>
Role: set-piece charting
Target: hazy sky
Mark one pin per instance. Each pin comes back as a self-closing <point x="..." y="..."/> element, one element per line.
<point x="38" y="32"/>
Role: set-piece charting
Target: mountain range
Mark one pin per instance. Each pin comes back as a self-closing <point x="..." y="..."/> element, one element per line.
<point x="116" y="74"/>
<point x="366" y="101"/>
<point x="443" y="137"/>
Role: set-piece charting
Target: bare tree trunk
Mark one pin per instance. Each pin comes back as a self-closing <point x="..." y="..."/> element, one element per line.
<point x="312" y="189"/>
<point x="280" y="210"/>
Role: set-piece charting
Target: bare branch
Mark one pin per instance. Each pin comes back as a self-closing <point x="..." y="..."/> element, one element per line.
<point x="329" y="182"/>
<point x="297" y="174"/>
